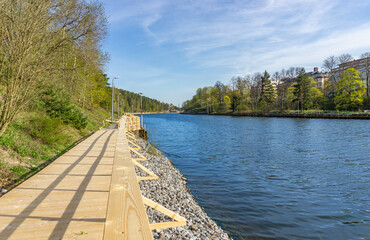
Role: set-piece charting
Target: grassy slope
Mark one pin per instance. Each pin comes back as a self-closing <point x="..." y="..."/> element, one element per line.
<point x="35" y="138"/>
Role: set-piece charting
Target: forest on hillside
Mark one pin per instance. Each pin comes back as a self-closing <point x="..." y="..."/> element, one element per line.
<point x="51" y="60"/>
<point x="53" y="85"/>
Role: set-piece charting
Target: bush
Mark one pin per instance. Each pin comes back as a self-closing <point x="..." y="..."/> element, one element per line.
<point x="326" y="103"/>
<point x="222" y="108"/>
<point x="58" y="104"/>
<point x="366" y="103"/>
<point x="7" y="140"/>
<point x="47" y="130"/>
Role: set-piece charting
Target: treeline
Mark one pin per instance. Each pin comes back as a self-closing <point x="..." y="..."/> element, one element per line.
<point x="289" y="89"/>
<point x="125" y="101"/>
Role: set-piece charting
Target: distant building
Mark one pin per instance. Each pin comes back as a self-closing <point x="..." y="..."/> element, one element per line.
<point x="319" y="77"/>
<point x="274" y="83"/>
<point x="362" y="65"/>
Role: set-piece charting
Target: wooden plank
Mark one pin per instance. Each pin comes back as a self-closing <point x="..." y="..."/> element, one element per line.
<point x="132" y="139"/>
<point x="151" y="174"/>
<point x="179" y="221"/>
<point x="141" y="157"/>
<point x="154" y="226"/>
<point x="131" y="136"/>
<point x="126" y="214"/>
<point x="136" y="147"/>
<point x="67" y="198"/>
<point x="130" y="133"/>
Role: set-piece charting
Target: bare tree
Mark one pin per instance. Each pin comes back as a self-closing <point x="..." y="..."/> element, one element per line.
<point x="255" y="91"/>
<point x="283" y="73"/>
<point x="345" y="57"/>
<point x="290" y="72"/>
<point x="219" y="86"/>
<point x="276" y="77"/>
<point x="34" y="35"/>
<point x="330" y="63"/>
<point x="365" y="55"/>
<point x="241" y="84"/>
<point x="298" y="71"/>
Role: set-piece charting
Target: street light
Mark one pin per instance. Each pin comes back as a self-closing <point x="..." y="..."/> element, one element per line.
<point x="113" y="93"/>
<point x="141" y="101"/>
<point x="141" y="107"/>
<point x="123" y="104"/>
<point x="119" y="94"/>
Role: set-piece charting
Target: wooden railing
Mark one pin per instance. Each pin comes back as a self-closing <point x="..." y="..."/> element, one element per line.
<point x="177" y="219"/>
<point x="126" y="214"/>
<point x="132" y="122"/>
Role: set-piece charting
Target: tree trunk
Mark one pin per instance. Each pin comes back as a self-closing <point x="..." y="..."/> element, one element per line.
<point x="3" y="127"/>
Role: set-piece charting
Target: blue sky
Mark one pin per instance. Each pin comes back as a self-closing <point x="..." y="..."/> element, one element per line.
<point x="169" y="48"/>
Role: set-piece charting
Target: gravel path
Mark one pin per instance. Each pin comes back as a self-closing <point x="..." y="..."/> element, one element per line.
<point x="170" y="191"/>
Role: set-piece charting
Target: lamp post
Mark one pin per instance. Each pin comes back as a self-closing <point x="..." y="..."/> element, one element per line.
<point x="123" y="104"/>
<point x="141" y="102"/>
<point x="113" y="93"/>
<point x="141" y="107"/>
<point x="119" y="94"/>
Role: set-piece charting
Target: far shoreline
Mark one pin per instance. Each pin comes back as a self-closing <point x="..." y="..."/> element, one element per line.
<point x="362" y="116"/>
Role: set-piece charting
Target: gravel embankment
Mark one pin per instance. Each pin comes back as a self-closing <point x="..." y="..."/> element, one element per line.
<point x="170" y="191"/>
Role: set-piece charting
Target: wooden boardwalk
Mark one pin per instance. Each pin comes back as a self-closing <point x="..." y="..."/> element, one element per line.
<point x="91" y="192"/>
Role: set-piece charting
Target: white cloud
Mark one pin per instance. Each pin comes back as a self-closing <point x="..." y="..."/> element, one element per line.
<point x="245" y="35"/>
<point x="127" y="10"/>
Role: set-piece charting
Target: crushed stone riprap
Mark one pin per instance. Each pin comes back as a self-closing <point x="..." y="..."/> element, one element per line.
<point x="170" y="191"/>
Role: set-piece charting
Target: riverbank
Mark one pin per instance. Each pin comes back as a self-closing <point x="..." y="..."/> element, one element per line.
<point x="170" y="190"/>
<point x="149" y="113"/>
<point x="293" y="115"/>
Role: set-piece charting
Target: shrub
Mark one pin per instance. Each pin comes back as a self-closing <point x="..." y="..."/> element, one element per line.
<point x="58" y="104"/>
<point x="366" y="103"/>
<point x="47" y="130"/>
<point x="7" y="139"/>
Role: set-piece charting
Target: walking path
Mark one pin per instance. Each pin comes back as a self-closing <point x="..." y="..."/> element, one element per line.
<point x="91" y="192"/>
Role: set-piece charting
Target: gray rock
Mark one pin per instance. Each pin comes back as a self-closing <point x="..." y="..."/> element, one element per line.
<point x="170" y="190"/>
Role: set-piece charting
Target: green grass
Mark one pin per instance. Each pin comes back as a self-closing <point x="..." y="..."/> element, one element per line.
<point x="18" y="171"/>
<point x="96" y="117"/>
<point x="9" y="173"/>
<point x="35" y="138"/>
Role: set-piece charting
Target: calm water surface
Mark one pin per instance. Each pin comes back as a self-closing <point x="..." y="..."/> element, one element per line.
<point x="263" y="178"/>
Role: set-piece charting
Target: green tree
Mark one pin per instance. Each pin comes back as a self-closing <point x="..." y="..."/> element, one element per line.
<point x="234" y="94"/>
<point x="350" y="91"/>
<point x="304" y="91"/>
<point x="38" y="39"/>
<point x="267" y="91"/>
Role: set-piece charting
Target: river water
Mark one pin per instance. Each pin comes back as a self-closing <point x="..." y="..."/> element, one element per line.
<point x="273" y="178"/>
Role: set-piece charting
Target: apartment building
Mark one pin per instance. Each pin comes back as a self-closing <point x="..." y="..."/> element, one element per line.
<point x="319" y="77"/>
<point x="362" y="65"/>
